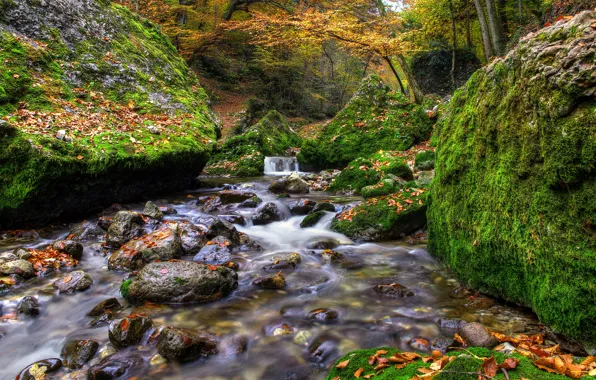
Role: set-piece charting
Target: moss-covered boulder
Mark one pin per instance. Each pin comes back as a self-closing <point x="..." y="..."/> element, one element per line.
<point x="514" y="195"/>
<point x="376" y="118"/>
<point x="368" y="171"/>
<point x="387" y="217"/>
<point x="96" y="106"/>
<point x="244" y="155"/>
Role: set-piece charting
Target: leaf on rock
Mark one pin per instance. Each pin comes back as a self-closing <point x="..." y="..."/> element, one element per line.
<point x="358" y="372"/>
<point x="343" y="364"/>
<point x="490" y="367"/>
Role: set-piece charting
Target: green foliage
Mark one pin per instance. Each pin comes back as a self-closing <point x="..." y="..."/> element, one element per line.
<point x="363" y="172"/>
<point x="384" y="187"/>
<point x="124" y="288"/>
<point x="244" y="155"/>
<point x="514" y="196"/>
<point x="425" y="160"/>
<point x="375" y="119"/>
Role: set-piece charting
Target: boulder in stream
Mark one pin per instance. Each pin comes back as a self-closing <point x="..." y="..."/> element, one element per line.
<point x="86" y="231"/>
<point x="28" y="306"/>
<point x="111" y="304"/>
<point x="312" y="219"/>
<point x="291" y="184"/>
<point x="129" y="331"/>
<point x="185" y="344"/>
<point x="273" y="282"/>
<point x="266" y="214"/>
<point x="151" y="210"/>
<point x="74" y="282"/>
<point x="234" y="196"/>
<point x="70" y="247"/>
<point x="394" y="290"/>
<point x="179" y="282"/>
<point x="193" y="237"/>
<point x="76" y="353"/>
<point x="125" y="226"/>
<point x="219" y="227"/>
<point x="21" y="267"/>
<point x="45" y="367"/>
<point x="302" y="206"/>
<point x="116" y="366"/>
<point x="216" y="251"/>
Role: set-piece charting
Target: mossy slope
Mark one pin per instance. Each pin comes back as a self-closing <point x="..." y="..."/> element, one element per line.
<point x="136" y="120"/>
<point x="514" y="197"/>
<point x="244" y="155"/>
<point x="376" y="118"/>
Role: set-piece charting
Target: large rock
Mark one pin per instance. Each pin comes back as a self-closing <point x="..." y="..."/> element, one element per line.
<point x="302" y="206"/>
<point x="234" y="196"/>
<point x="266" y="214"/>
<point x="28" y="306"/>
<point x="219" y="227"/>
<point x="151" y="210"/>
<point x="177" y="282"/>
<point x="513" y="198"/>
<point x="110" y="304"/>
<point x="129" y="331"/>
<point x="76" y="353"/>
<point x="70" y="247"/>
<point x="193" y="237"/>
<point x="163" y="244"/>
<point x="125" y="226"/>
<point x="117" y="366"/>
<point x="216" y="251"/>
<point x="20" y="267"/>
<point x="291" y="184"/>
<point x="86" y="231"/>
<point x="184" y="344"/>
<point x="74" y="282"/>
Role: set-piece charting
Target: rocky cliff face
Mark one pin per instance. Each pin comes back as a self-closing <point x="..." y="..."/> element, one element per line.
<point x="96" y="106"/>
<point x="513" y="207"/>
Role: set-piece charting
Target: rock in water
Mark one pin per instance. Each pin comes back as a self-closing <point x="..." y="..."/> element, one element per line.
<point x="70" y="247"/>
<point x="234" y="196"/>
<point x="129" y="331"/>
<point x="312" y="219"/>
<point x="193" y="237"/>
<point x="513" y="202"/>
<point x="274" y="282"/>
<point x="86" y="231"/>
<point x="266" y="214"/>
<point x="177" y="282"/>
<point x="28" y="306"/>
<point x="125" y="226"/>
<point x="163" y="244"/>
<point x="74" y="282"/>
<point x="111" y="304"/>
<point x="116" y="366"/>
<point x="76" y="353"/>
<point x="20" y="267"/>
<point x="393" y="290"/>
<point x="184" y="344"/>
<point x="302" y="207"/>
<point x="291" y="184"/>
<point x="217" y="251"/>
<point x="47" y="366"/>
<point x="151" y="210"/>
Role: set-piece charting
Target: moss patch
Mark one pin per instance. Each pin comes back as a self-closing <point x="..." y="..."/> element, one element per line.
<point x="244" y="155"/>
<point x="514" y="196"/>
<point x="375" y="119"/>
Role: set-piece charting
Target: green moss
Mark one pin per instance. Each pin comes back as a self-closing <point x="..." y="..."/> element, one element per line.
<point x="375" y="119"/>
<point x="514" y="197"/>
<point x="464" y="367"/>
<point x="124" y="288"/>
<point x="425" y="160"/>
<point x="384" y="187"/>
<point x="363" y="172"/>
<point x="244" y="155"/>
<point x="386" y="217"/>
<point x="311" y="219"/>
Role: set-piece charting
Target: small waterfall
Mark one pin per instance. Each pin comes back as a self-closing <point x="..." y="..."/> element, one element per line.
<point x="281" y="165"/>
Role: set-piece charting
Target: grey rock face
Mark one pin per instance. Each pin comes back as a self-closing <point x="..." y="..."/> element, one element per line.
<point x="125" y="226"/>
<point x="76" y="353"/>
<point x="216" y="251"/>
<point x="151" y="210"/>
<point x="476" y="335"/>
<point x="184" y="344"/>
<point x="74" y="282"/>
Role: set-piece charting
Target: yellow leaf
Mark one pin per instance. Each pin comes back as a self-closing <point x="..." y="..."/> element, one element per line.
<point x="79" y="157"/>
<point x="343" y="364"/>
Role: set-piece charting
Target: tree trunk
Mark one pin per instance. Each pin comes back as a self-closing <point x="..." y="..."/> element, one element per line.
<point x="401" y="85"/>
<point x="488" y="51"/>
<point x="454" y="36"/>
<point x="468" y="27"/>
<point x="503" y="20"/>
<point x="495" y="28"/>
<point x="413" y="84"/>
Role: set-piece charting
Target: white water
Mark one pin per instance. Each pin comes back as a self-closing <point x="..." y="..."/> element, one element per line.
<point x="281" y="165"/>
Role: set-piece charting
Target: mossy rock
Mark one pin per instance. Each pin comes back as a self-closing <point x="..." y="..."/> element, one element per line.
<point x="312" y="219"/>
<point x="134" y="118"/>
<point x="425" y="160"/>
<point x="368" y="171"/>
<point x="244" y="155"/>
<point x="514" y="195"/>
<point x="384" y="187"/>
<point x="376" y="118"/>
<point x="384" y="218"/>
<point x="465" y="366"/>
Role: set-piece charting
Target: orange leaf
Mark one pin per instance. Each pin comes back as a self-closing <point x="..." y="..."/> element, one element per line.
<point x="67" y="279"/>
<point x="509" y="363"/>
<point x="79" y="157"/>
<point x="212" y="267"/>
<point x="124" y="325"/>
<point x="400" y="366"/>
<point x="343" y="364"/>
<point x="489" y="367"/>
<point x="358" y="372"/>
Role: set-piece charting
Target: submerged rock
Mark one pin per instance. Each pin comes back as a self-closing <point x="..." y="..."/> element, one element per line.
<point x="253" y="202"/>
<point x="312" y="219"/>
<point x="111" y="304"/>
<point x="394" y="290"/>
<point x="129" y="331"/>
<point x="163" y="244"/>
<point x="184" y="344"/>
<point x="179" y="282"/>
<point x="266" y="214"/>
<point x="28" y="306"/>
<point x="125" y="226"/>
<point x="76" y="353"/>
<point x="323" y="315"/>
<point x="74" y="282"/>
<point x="47" y="366"/>
<point x="274" y="282"/>
<point x="291" y="184"/>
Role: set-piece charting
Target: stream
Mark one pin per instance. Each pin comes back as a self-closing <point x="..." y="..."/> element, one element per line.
<point x="280" y="341"/>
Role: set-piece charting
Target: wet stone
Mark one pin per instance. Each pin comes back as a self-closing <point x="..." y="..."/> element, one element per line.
<point x="74" y="282"/>
<point x="116" y="366"/>
<point x="8" y="256"/>
<point x="479" y="302"/>
<point x="302" y="207"/>
<point x="451" y="323"/>
<point x="21" y="267"/>
<point x="442" y="344"/>
<point x="323" y="315"/>
<point x="111" y="304"/>
<point x="218" y="227"/>
<point x="253" y="202"/>
<point x="70" y="247"/>
<point x="274" y="282"/>
<point x="151" y="210"/>
<point x="419" y="344"/>
<point x="193" y="237"/>
<point x="76" y="353"/>
<point x="129" y="331"/>
<point x="234" y="196"/>
<point x="291" y="184"/>
<point x="234" y="219"/>
<point x="185" y="344"/>
<point x="22" y="253"/>
<point x="46" y="365"/>
<point x="393" y="290"/>
<point x="322" y="244"/>
<point x="28" y="306"/>
<point x="102" y="320"/>
<point x="216" y="251"/>
<point x="125" y="226"/>
<point x="329" y="255"/>
<point x="167" y="210"/>
<point x="312" y="219"/>
<point x="324" y="206"/>
<point x="87" y="231"/>
<point x="266" y="214"/>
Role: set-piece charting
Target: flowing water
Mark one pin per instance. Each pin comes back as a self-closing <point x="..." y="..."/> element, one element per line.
<point x="281" y="165"/>
<point x="253" y="317"/>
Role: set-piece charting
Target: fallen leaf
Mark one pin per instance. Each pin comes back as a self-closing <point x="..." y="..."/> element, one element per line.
<point x="124" y="325"/>
<point x="358" y="372"/>
<point x="79" y="157"/>
<point x="343" y="364"/>
<point x="509" y="363"/>
<point x="489" y="367"/>
<point x="164" y="271"/>
<point x="67" y="279"/>
<point x="400" y="366"/>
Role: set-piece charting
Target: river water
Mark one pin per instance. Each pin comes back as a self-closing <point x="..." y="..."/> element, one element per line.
<point x="255" y="316"/>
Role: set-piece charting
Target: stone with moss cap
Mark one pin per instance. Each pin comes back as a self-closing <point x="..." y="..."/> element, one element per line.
<point x="93" y="61"/>
<point x="514" y="194"/>
<point x="376" y="118"/>
<point x="244" y="155"/>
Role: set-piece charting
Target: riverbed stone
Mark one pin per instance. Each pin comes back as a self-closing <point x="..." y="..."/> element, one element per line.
<point x="219" y="227"/>
<point x="302" y="206"/>
<point x="70" y="247"/>
<point x="394" y="290"/>
<point x="129" y="331"/>
<point x="163" y="244"/>
<point x="234" y="196"/>
<point x="86" y="231"/>
<point x="234" y="219"/>
<point x="192" y="237"/>
<point x="168" y="210"/>
<point x="180" y="281"/>
<point x="253" y="202"/>
<point x="273" y="282"/>
<point x="323" y="206"/>
<point x="8" y="256"/>
<point x="76" y="353"/>
<point x="476" y="335"/>
<point x="151" y="210"/>
<point x="119" y="365"/>
<point x="47" y="365"/>
<point x="111" y="304"/>
<point x="216" y="251"/>
<point x="266" y="214"/>
<point x="291" y="184"/>
<point x="322" y="243"/>
<point x="125" y="226"/>
<point x="74" y="282"/>
<point x="28" y="306"/>
<point x="323" y="315"/>
<point x="185" y="344"/>
<point x="21" y="267"/>
<point x="22" y="253"/>
<point x="312" y="219"/>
